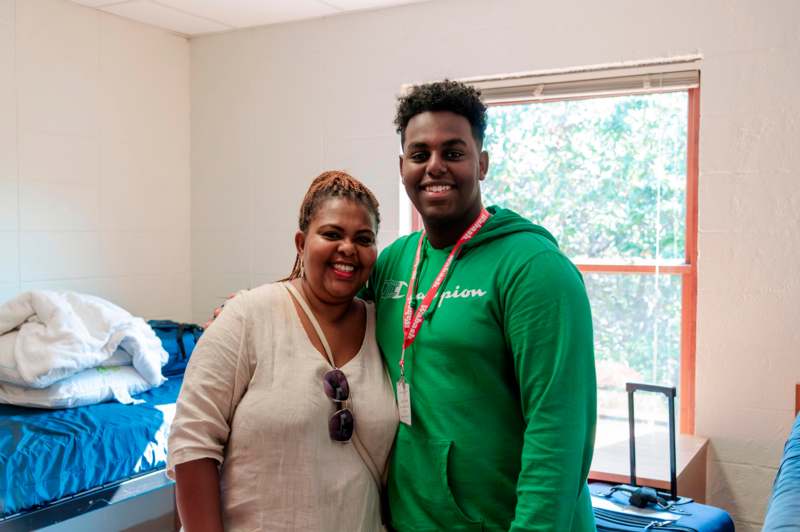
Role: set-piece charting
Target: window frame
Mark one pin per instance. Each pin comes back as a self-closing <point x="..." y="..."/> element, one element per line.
<point x="687" y="270"/>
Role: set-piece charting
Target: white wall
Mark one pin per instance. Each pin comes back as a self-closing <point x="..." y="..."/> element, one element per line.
<point x="94" y="163"/>
<point x="94" y="157"/>
<point x="274" y="106"/>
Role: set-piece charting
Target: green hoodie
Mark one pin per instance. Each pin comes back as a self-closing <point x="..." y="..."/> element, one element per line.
<point x="502" y="382"/>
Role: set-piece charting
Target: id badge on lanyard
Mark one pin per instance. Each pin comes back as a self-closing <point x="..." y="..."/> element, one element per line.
<point x="412" y="321"/>
<point x="404" y="401"/>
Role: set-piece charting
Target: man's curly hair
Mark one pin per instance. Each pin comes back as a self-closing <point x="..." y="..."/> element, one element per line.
<point x="446" y="95"/>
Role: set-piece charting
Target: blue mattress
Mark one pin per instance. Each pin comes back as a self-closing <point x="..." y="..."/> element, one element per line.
<point x="46" y="455"/>
<point x="784" y="505"/>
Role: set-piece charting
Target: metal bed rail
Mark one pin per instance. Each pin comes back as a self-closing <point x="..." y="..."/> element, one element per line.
<point x="86" y="501"/>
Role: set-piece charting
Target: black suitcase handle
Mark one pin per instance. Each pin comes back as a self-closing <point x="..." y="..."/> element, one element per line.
<point x="669" y="391"/>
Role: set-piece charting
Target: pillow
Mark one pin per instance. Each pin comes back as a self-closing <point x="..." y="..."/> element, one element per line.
<point x="90" y="386"/>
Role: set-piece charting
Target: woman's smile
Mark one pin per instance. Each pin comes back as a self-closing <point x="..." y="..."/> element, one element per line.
<point x="344" y="270"/>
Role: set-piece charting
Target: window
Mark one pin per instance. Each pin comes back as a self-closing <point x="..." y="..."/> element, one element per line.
<point x="608" y="165"/>
<point x="607" y="162"/>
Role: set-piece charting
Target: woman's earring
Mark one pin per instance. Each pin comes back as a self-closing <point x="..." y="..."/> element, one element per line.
<point x="302" y="269"/>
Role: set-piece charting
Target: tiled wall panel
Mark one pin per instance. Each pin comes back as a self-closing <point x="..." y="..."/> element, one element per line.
<point x="94" y="157"/>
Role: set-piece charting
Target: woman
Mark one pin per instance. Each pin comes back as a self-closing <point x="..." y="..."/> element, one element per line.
<point x="274" y="429"/>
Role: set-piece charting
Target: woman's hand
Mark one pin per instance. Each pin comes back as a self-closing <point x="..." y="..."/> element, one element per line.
<point x="197" y="495"/>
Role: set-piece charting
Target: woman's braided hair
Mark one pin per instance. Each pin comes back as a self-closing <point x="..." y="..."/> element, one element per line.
<point x="328" y="185"/>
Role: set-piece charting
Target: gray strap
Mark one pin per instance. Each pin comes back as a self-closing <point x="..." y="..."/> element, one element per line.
<point x="359" y="447"/>
<point x="313" y="319"/>
<point x="365" y="456"/>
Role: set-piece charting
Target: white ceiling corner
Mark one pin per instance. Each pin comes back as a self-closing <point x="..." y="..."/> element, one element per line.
<point x="197" y="17"/>
<point x="358" y="5"/>
<point x="96" y="3"/>
<point x="247" y="13"/>
<point x="156" y="14"/>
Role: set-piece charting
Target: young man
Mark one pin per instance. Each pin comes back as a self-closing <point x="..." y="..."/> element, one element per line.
<point x="486" y="330"/>
<point x="490" y="351"/>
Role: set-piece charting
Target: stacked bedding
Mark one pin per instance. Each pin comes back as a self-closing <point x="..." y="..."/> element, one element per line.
<point x="64" y="349"/>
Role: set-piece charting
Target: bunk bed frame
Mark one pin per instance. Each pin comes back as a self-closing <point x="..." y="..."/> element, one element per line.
<point x="87" y="501"/>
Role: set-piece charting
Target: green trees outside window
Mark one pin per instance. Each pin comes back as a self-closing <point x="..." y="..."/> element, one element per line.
<point x="607" y="176"/>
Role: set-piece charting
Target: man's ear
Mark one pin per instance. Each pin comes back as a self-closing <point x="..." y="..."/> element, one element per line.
<point x="400" y="166"/>
<point x="299" y="242"/>
<point x="483" y="161"/>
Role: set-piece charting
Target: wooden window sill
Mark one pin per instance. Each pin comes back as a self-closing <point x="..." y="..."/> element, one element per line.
<point x="611" y="463"/>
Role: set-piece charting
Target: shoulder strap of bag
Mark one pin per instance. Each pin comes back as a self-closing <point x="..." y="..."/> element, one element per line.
<point x="313" y="319"/>
<point x="181" y="346"/>
<point x="357" y="444"/>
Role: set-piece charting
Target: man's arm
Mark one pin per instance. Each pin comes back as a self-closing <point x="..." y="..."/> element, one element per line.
<point x="548" y="326"/>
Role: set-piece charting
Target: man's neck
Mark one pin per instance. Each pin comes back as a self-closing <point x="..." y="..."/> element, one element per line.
<point x="445" y="234"/>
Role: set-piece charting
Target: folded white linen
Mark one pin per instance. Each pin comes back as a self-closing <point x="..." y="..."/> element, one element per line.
<point x="58" y="334"/>
<point x="87" y="387"/>
<point x="8" y="364"/>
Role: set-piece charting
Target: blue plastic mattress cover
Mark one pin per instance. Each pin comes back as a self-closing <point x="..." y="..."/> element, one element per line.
<point x="46" y="455"/>
<point x="784" y="505"/>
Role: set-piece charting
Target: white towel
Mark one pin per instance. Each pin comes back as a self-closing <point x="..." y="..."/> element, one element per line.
<point x="58" y="334"/>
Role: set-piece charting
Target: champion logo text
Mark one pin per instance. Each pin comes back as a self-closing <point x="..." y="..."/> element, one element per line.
<point x="392" y="289"/>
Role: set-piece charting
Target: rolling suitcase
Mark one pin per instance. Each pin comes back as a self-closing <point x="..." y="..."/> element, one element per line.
<point x="632" y="508"/>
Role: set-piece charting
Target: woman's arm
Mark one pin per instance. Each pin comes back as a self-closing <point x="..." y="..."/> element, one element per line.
<point x="197" y="494"/>
<point x="216" y="378"/>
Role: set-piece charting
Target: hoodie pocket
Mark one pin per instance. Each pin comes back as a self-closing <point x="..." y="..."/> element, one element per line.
<point x="422" y="498"/>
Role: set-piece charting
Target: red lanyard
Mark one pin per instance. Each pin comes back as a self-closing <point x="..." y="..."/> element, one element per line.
<point x="413" y="321"/>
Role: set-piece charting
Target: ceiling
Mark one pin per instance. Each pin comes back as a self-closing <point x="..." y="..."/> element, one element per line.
<point x="197" y="17"/>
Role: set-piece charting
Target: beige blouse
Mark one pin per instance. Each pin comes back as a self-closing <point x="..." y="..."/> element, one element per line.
<point x="253" y="399"/>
